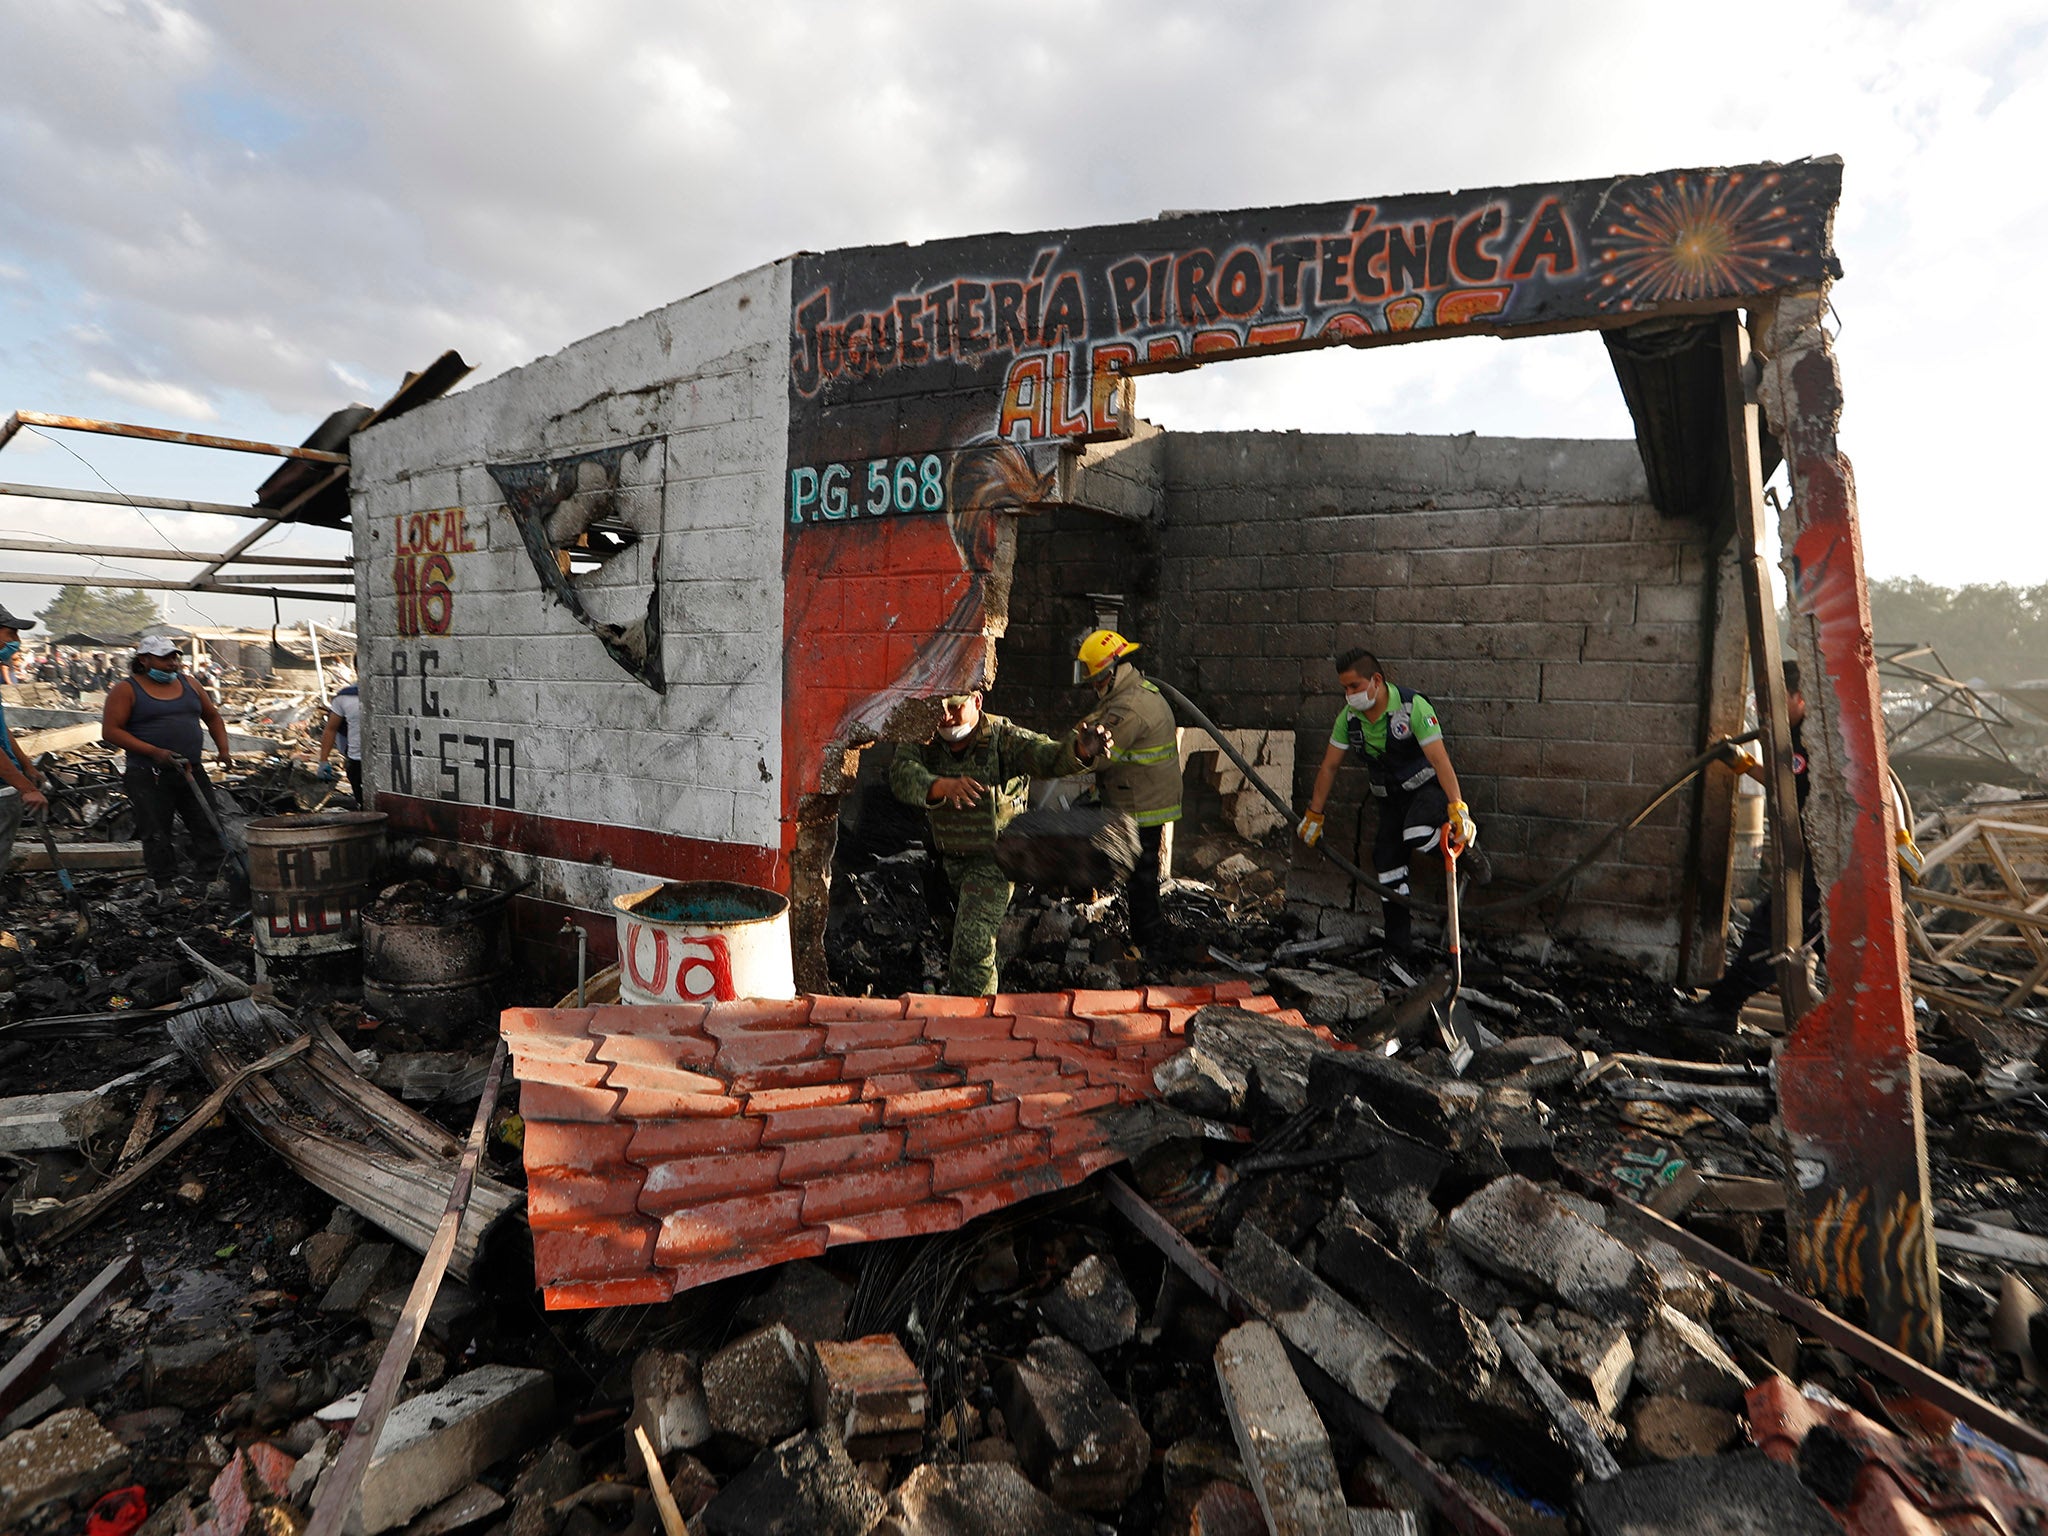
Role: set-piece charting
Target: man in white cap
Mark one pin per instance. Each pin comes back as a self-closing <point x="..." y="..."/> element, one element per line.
<point x="156" y="715"/>
<point x="19" y="792"/>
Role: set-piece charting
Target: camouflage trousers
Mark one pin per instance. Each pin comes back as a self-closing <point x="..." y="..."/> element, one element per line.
<point x="981" y="900"/>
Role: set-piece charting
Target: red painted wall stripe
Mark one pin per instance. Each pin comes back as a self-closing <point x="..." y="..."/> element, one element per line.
<point x="664" y="855"/>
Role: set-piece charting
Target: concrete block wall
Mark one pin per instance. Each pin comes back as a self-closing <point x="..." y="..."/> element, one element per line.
<point x="1527" y="587"/>
<point x="1063" y="554"/>
<point x="498" y="725"/>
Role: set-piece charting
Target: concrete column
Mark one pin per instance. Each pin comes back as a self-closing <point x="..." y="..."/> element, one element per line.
<point x="1859" y="1215"/>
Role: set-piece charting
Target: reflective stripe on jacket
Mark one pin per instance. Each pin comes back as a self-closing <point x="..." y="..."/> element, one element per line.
<point x="1141" y="775"/>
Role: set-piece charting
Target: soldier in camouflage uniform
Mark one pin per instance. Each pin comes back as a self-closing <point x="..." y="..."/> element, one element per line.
<point x="973" y="778"/>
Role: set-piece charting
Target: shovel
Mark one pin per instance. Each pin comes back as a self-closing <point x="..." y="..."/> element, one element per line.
<point x="71" y="892"/>
<point x="229" y="853"/>
<point x="1461" y="1031"/>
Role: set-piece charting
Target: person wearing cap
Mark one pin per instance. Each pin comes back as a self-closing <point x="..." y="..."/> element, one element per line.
<point x="973" y="778"/>
<point x="1410" y="774"/>
<point x="20" y="794"/>
<point x="1140" y="775"/>
<point x="157" y="716"/>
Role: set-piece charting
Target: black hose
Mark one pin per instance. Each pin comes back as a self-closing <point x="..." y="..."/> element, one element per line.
<point x="1520" y="899"/>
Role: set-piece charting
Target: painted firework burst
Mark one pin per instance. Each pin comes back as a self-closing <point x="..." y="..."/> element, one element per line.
<point x="1693" y="236"/>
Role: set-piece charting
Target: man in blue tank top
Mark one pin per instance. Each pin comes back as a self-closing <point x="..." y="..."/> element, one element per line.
<point x="157" y="716"/>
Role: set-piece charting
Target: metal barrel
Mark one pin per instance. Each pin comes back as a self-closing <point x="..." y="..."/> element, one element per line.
<point x="701" y="941"/>
<point x="429" y="973"/>
<point x="308" y="879"/>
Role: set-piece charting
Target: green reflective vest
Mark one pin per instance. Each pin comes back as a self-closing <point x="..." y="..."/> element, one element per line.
<point x="1141" y="774"/>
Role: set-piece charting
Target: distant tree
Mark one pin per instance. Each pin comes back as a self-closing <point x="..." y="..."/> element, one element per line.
<point x="1994" y="631"/>
<point x="128" y="610"/>
<point x="110" y="611"/>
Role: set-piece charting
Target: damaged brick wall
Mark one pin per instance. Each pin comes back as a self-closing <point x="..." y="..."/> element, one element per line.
<point x="1063" y="556"/>
<point x="516" y="738"/>
<point x="1526" y="587"/>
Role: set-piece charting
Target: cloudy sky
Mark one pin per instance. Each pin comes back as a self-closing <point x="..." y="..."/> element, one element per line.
<point x="235" y="217"/>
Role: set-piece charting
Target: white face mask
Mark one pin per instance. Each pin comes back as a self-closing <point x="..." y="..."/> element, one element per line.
<point x="1360" y="701"/>
<point x="958" y="732"/>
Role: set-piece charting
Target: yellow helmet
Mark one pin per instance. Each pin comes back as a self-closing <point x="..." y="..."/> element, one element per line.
<point x="1103" y="648"/>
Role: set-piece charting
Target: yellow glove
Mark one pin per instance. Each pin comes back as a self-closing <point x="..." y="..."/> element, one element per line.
<point x="1311" y="829"/>
<point x="1912" y="862"/>
<point x="1462" y="825"/>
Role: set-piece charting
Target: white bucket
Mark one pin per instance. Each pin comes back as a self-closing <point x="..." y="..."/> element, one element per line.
<point x="703" y="941"/>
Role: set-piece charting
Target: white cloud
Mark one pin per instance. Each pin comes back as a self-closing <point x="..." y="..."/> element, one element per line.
<point x="156" y="395"/>
<point x="504" y="176"/>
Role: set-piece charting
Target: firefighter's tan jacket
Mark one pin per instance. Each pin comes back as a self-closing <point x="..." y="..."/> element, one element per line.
<point x="1141" y="773"/>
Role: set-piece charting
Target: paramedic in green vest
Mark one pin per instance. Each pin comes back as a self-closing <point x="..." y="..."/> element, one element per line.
<point x="973" y="778"/>
<point x="1410" y="773"/>
<point x="1140" y="776"/>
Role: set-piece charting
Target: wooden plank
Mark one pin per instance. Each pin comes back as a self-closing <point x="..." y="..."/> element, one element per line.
<point x="1787" y="837"/>
<point x="1994" y="1243"/>
<point x="34" y="1361"/>
<point x="28" y="860"/>
<point x="76" y="1213"/>
<point x="1710" y="853"/>
<point x="145" y="1123"/>
<point x="338" y="1493"/>
<point x="2018" y="917"/>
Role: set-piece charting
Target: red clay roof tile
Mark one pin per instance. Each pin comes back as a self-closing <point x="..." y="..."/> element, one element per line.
<point x="633" y="1019"/>
<point x="931" y="1132"/>
<point x="772" y="1101"/>
<point x="661" y="1104"/>
<point x="564" y="1201"/>
<point x="662" y="1050"/>
<point x="570" y="1074"/>
<point x="865" y="1190"/>
<point x="1038" y="1109"/>
<point x="790" y="1126"/>
<point x="790" y="1074"/>
<point x="751" y="1050"/>
<point x="725" y="1228"/>
<point x="1031" y="1026"/>
<point x="1105" y="1002"/>
<point x="752" y="1013"/>
<point x="1179" y="997"/>
<point x="599" y="1248"/>
<point x="634" y="1074"/>
<point x="889" y="1059"/>
<point x="641" y="1290"/>
<point x="838" y="1120"/>
<point x="803" y="1161"/>
<point x="980" y="1161"/>
<point x="872" y="1034"/>
<point x="690" y="1181"/>
<point x="1116" y="1029"/>
<point x="1044" y="1004"/>
<point x="553" y="1101"/>
<point x="979" y="1199"/>
<point x="1233" y="990"/>
<point x="805" y="1243"/>
<point x="654" y="1140"/>
<point x="972" y="1053"/>
<point x="920" y="1005"/>
<point x="924" y="1219"/>
<point x="552" y="1145"/>
<point x="898" y="1107"/>
<point x="829" y="1009"/>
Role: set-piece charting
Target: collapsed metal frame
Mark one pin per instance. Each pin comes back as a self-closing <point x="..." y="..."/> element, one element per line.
<point x="300" y="573"/>
<point x="1972" y="721"/>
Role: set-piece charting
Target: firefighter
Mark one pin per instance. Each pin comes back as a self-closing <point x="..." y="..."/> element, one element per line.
<point x="1140" y="775"/>
<point x="973" y="778"/>
<point x="1411" y="776"/>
